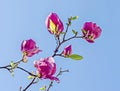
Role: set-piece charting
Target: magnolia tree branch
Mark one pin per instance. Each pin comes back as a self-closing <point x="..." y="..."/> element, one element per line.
<point x="59" y="42"/>
<point x="9" y="68"/>
<point x="68" y="24"/>
<point x="57" y="48"/>
<point x="59" y="73"/>
<point x="32" y="82"/>
<point x="27" y="71"/>
<point x="18" y="62"/>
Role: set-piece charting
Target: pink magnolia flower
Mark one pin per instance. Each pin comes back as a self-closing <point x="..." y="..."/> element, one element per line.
<point x="54" y="24"/>
<point x="29" y="48"/>
<point x="46" y="67"/>
<point x="67" y="51"/>
<point x="91" y="31"/>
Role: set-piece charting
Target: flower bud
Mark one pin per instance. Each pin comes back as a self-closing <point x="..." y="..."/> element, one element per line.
<point x="29" y="48"/>
<point x="54" y="24"/>
<point x="91" y="31"/>
<point x="67" y="51"/>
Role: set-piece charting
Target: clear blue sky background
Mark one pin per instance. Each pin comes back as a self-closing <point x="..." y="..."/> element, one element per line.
<point x="24" y="19"/>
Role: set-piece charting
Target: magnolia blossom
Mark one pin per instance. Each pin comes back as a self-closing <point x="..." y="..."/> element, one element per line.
<point x="29" y="48"/>
<point x="91" y="31"/>
<point x="67" y="51"/>
<point x="46" y="67"/>
<point x="54" y="24"/>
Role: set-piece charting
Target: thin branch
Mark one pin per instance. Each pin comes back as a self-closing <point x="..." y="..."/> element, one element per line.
<point x="59" y="55"/>
<point x="59" y="73"/>
<point x="57" y="48"/>
<point x="50" y="85"/>
<point x="32" y="82"/>
<point x="75" y="36"/>
<point x="27" y="71"/>
<point x="59" y="43"/>
<point x="57" y="40"/>
<point x="7" y="66"/>
<point x="68" y="24"/>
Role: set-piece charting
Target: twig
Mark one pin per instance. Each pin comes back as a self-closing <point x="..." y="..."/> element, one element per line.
<point x="18" y="62"/>
<point x="27" y="71"/>
<point x="32" y="82"/>
<point x="65" y="40"/>
<point x="59" y="43"/>
<point x="20" y="88"/>
<point x="75" y="36"/>
<point x="9" y="68"/>
<point x="59" y="55"/>
<point x="68" y="24"/>
<point x="59" y="73"/>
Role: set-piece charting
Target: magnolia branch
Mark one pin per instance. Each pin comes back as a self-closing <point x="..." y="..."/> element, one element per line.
<point x="9" y="67"/>
<point x="68" y="24"/>
<point x="27" y="71"/>
<point x="32" y="82"/>
<point x="59" y="73"/>
<point x="59" y="43"/>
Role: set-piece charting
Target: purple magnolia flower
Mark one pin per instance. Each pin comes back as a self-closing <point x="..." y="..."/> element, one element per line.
<point x="67" y="51"/>
<point x="91" y="31"/>
<point x="29" y="48"/>
<point x="46" y="67"/>
<point x="54" y="24"/>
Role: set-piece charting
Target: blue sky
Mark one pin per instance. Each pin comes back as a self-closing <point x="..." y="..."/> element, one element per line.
<point x="24" y="19"/>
